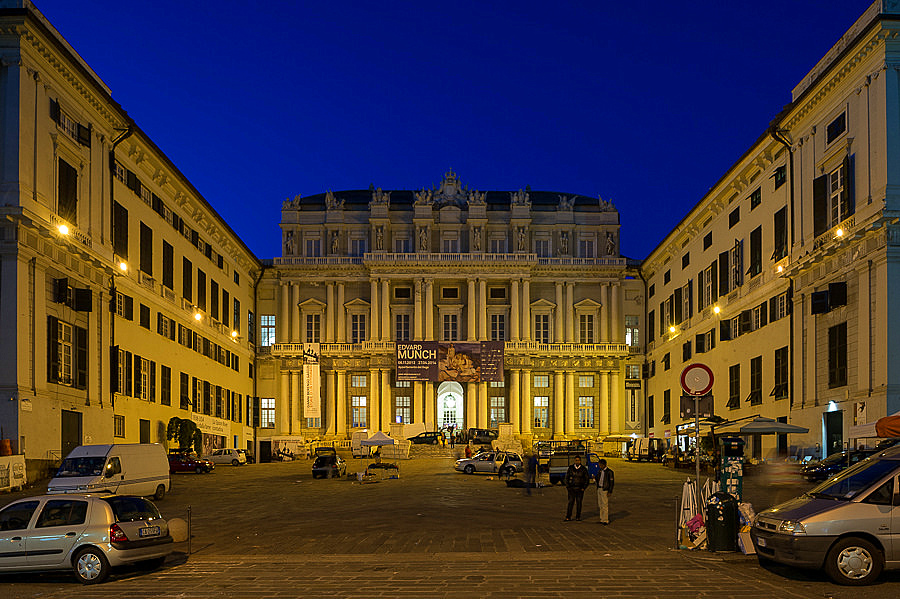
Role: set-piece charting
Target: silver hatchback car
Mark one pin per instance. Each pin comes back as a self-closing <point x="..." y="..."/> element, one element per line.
<point x="88" y="534"/>
<point x="500" y="462"/>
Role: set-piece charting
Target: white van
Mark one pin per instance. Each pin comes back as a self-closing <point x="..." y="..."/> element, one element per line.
<point x="133" y="469"/>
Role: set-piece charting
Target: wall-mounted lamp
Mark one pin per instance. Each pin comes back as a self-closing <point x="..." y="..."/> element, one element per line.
<point x="123" y="266"/>
<point x="839" y="233"/>
<point x="198" y="317"/>
<point x="63" y="229"/>
<point x="716" y="309"/>
<point x="780" y="268"/>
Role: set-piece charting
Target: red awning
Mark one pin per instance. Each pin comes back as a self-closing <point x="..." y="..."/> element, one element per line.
<point x="889" y="426"/>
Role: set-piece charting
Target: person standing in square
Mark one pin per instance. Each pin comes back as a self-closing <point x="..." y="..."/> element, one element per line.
<point x="606" y="480"/>
<point x="577" y="480"/>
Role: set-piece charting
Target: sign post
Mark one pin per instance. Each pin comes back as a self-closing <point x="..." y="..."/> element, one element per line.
<point x="697" y="381"/>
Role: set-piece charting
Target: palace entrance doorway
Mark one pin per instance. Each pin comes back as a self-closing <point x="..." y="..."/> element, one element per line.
<point x="450" y="405"/>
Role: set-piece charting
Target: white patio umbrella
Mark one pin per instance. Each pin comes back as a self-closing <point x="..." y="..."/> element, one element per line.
<point x="688" y="502"/>
<point x="708" y="490"/>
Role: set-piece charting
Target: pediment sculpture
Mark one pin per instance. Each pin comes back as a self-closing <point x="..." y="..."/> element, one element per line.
<point x="566" y="204"/>
<point x="380" y="198"/>
<point x="606" y="206"/>
<point x="332" y="203"/>
<point x="288" y="204"/>
<point x="520" y="198"/>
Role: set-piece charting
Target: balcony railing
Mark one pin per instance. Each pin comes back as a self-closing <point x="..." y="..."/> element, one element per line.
<point x="512" y="347"/>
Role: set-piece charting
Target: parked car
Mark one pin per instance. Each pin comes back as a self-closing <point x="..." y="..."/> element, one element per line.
<point x="128" y="468"/>
<point x="247" y="455"/>
<point x="848" y="525"/>
<point x="235" y="457"/>
<point x="499" y="462"/>
<point x="560" y="461"/>
<point x="328" y="464"/>
<point x="428" y="438"/>
<point x="87" y="533"/>
<point x="481" y="436"/>
<point x="834" y="463"/>
<point x="189" y="462"/>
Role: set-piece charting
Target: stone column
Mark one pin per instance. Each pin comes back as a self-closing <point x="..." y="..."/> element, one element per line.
<point x="471" y="307"/>
<point x="570" y="403"/>
<point x="341" y="412"/>
<point x="373" y="421"/>
<point x="331" y="404"/>
<point x="429" y="405"/>
<point x="283" y="322"/>
<point x="615" y="325"/>
<point x="558" y="405"/>
<point x="527" y="408"/>
<point x="604" y="313"/>
<point x="295" y="314"/>
<point x="471" y="419"/>
<point x="526" y="310"/>
<point x="417" y="315"/>
<point x="603" y="405"/>
<point x="341" y="315"/>
<point x="570" y="314"/>
<point x="373" y="310"/>
<point x="418" y="394"/>
<point x="329" y="313"/>
<point x="514" y="408"/>
<point x="296" y="407"/>
<point x="283" y="409"/>
<point x="558" y="323"/>
<point x="429" y="310"/>
<point x="385" y="310"/>
<point x="615" y="402"/>
<point x="483" y="332"/>
<point x="387" y="415"/>
<point x="483" y="405"/>
<point x="514" y="310"/>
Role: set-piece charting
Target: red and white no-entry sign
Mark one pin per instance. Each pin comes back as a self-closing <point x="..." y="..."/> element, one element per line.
<point x="697" y="379"/>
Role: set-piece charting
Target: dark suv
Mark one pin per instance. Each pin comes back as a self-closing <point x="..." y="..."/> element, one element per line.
<point x="428" y="438"/>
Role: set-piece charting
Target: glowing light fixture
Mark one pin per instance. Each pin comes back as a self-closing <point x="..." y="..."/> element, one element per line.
<point x="63" y="229"/>
<point x="234" y="334"/>
<point x="671" y="329"/>
<point x="832" y="406"/>
<point x="716" y="309"/>
<point x="780" y="268"/>
<point x="198" y="317"/>
<point x="839" y="232"/>
<point x="123" y="266"/>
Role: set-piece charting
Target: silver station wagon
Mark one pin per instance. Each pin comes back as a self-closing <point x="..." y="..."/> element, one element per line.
<point x="88" y="534"/>
<point x="849" y="525"/>
<point x="500" y="462"/>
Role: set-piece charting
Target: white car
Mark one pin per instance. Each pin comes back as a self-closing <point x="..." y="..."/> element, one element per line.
<point x="227" y="456"/>
<point x="84" y="533"/>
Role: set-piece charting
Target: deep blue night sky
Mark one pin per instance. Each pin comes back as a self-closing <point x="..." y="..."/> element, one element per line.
<point x="644" y="103"/>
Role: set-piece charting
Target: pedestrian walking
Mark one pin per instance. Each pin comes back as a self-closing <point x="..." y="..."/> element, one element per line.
<point x="577" y="480"/>
<point x="606" y="480"/>
<point x="452" y="438"/>
<point x="531" y="473"/>
<point x="468" y="451"/>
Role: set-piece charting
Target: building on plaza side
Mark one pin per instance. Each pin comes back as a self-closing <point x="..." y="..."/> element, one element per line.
<point x="783" y="277"/>
<point x="539" y="271"/>
<point x="125" y="299"/>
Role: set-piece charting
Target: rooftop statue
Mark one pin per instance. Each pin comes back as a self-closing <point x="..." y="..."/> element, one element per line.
<point x="289" y="203"/>
<point x="566" y="204"/>
<point x="333" y="203"/>
<point x="606" y="206"/>
<point x="520" y="198"/>
<point x="380" y="198"/>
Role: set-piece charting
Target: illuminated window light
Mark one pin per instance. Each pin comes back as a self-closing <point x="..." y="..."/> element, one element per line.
<point x="63" y="229"/>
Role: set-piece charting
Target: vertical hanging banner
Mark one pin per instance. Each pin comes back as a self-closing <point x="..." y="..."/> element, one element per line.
<point x="445" y="361"/>
<point x="312" y="394"/>
<point x="492" y="360"/>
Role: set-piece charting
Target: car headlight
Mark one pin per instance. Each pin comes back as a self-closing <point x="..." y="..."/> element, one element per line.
<point x="792" y="527"/>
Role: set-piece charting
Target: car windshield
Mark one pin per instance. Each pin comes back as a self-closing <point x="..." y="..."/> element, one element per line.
<point x="92" y="466"/>
<point x="851" y="481"/>
<point x="835" y="458"/>
<point x="129" y="509"/>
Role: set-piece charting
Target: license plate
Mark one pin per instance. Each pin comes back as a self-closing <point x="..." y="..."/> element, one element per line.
<point x="150" y="531"/>
<point x="760" y="541"/>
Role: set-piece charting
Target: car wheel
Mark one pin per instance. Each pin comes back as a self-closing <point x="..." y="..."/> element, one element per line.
<point x="854" y="562"/>
<point x="199" y="469"/>
<point x="160" y="492"/>
<point x="469" y="469"/>
<point x="235" y="462"/>
<point x="90" y="566"/>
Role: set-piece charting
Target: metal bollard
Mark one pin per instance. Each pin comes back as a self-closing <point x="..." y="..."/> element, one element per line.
<point x="190" y="534"/>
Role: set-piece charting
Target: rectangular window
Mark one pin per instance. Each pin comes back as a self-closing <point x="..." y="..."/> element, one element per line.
<point x="837" y="355"/>
<point x="187" y="279"/>
<point x="685" y="260"/>
<point x="585" y="381"/>
<point x="755" y="252"/>
<point x="585" y="248"/>
<point x="497" y="384"/>
<point x="667" y="407"/>
<point x="498" y="410"/>
<point x="542" y="328"/>
<point x="650" y="410"/>
<point x="358" y="411"/>
<point x="497" y="293"/>
<point x="403" y="409"/>
<point x="357" y="328"/>
<point x="542" y="248"/>
<point x="402" y="245"/>
<point x="357" y="247"/>
<point x="185" y="391"/>
<point x="541" y="380"/>
<point x="685" y="351"/>
<point x="357" y="380"/>
<point x="64" y="348"/>
<point x="402" y="292"/>
<point x="118" y="426"/>
<point x="145" y="316"/>
<point x="120" y="230"/>
<point x="734" y="387"/>
<point x="450" y="246"/>
<point x="541" y="411"/>
<point x="450" y="327"/>
<point x="236" y="317"/>
<point x="780" y="234"/>
<point x="251" y="328"/>
<point x="709" y="285"/>
<point x="780" y="391"/>
<point x="735" y="217"/>
<point x="146" y="250"/>
<point x="142" y="380"/>
<point x="835" y="128"/>
<point x="267" y="412"/>
<point x="586" y="328"/>
<point x="737" y="264"/>
<point x="67" y="193"/>
<point x="586" y="411"/>
<point x="780" y="176"/>
<point x="226" y="301"/>
<point x="123" y="372"/>
<point x="213" y="300"/>
<point x="837" y="197"/>
<point x="201" y="290"/>
<point x="267" y="330"/>
<point x="498" y="245"/>
<point x="756" y="198"/>
<point x="313" y="328"/>
<point x="667" y="276"/>
<point x="450" y="293"/>
<point x="168" y="265"/>
<point x="707" y="241"/>
<point x="403" y="384"/>
<point x="632" y="335"/>
<point x="756" y="378"/>
<point x="498" y="327"/>
<point x="401" y="327"/>
<point x="313" y="423"/>
<point x="313" y="248"/>
<point x="633" y="371"/>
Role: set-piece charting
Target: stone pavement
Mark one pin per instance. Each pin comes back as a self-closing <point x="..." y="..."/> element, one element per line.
<point x="269" y="530"/>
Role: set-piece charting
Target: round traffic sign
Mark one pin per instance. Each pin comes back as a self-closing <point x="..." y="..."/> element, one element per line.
<point x="697" y="379"/>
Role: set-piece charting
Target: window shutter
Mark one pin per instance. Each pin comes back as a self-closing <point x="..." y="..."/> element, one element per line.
<point x="114" y="369"/>
<point x="837" y="294"/>
<point x="128" y="307"/>
<point x="820" y="205"/>
<point x="137" y="375"/>
<point x="849" y="187"/>
<point x="662" y="318"/>
<point x="763" y="315"/>
<point x="700" y="291"/>
<point x="152" y="381"/>
<point x="714" y="283"/>
<point x="127" y="367"/>
<point x="84" y="135"/>
<point x="700" y="342"/>
<point x="773" y="307"/>
<point x="745" y="323"/>
<point x="54" y="111"/>
<point x="712" y="340"/>
<point x="80" y="357"/>
<point x="83" y="300"/>
<point x="132" y="182"/>
<point x="159" y="322"/>
<point x="52" y="349"/>
<point x="256" y="412"/>
<point x="60" y="290"/>
<point x="226" y="300"/>
<point x="819" y="302"/>
<point x="690" y="299"/>
<point x="724" y="279"/>
<point x="725" y="330"/>
<point x="678" y="303"/>
<point x="171" y="329"/>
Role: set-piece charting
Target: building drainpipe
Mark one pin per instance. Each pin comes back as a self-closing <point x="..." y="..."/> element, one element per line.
<point x="255" y="371"/>
<point x="779" y="136"/>
<point x="646" y="381"/>
<point x="112" y="284"/>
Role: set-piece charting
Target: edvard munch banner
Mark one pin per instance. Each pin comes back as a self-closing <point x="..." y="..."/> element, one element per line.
<point x="447" y="361"/>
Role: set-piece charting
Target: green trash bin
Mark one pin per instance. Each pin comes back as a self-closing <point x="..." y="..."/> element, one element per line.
<point x="722" y="522"/>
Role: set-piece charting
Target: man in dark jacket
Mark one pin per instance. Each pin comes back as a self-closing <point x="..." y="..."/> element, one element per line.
<point x="605" y="483"/>
<point x="577" y="480"/>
